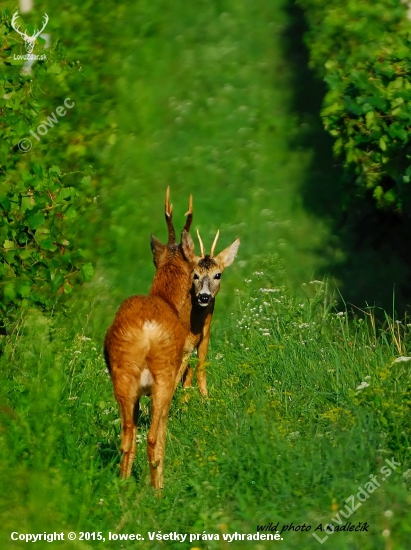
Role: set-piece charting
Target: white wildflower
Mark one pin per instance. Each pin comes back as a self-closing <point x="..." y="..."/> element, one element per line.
<point x="362" y="385"/>
<point x="268" y="290"/>
<point x="401" y="359"/>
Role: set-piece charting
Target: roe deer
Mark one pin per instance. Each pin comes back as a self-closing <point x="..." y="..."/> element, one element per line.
<point x="199" y="312"/>
<point x="206" y="284"/>
<point x="144" y="347"/>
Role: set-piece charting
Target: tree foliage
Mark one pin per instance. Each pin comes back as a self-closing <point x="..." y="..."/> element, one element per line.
<point x="49" y="182"/>
<point x="362" y="50"/>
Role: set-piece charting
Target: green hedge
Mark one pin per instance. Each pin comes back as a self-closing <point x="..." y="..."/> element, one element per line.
<point x="48" y="195"/>
<point x="37" y="259"/>
<point x="363" y="52"/>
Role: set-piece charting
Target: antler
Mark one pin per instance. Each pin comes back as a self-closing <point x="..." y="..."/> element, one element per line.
<point x="202" y="251"/>
<point x="189" y="214"/>
<point x="46" y="20"/>
<point x="169" y="220"/>
<point x="13" y="24"/>
<point x="214" y="244"/>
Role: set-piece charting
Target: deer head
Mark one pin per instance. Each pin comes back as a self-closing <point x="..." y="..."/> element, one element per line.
<point x="29" y="40"/>
<point x="209" y="268"/>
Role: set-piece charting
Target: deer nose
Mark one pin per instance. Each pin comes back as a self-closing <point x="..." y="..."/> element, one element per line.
<point x="204" y="298"/>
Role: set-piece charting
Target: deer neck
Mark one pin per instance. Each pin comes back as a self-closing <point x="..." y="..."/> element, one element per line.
<point x="198" y="314"/>
<point x="172" y="283"/>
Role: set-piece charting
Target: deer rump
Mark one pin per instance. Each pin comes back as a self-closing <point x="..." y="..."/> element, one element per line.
<point x="146" y="336"/>
<point x="143" y="350"/>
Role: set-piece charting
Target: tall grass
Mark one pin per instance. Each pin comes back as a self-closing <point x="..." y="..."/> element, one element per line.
<point x="305" y="407"/>
<point x="286" y="436"/>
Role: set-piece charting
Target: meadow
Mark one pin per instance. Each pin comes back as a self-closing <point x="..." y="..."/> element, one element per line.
<point x="309" y="397"/>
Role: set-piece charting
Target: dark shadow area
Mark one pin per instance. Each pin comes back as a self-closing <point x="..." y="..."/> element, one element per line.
<point x="368" y="252"/>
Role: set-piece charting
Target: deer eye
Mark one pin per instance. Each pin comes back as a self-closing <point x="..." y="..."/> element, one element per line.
<point x="196" y="276"/>
<point x="217" y="276"/>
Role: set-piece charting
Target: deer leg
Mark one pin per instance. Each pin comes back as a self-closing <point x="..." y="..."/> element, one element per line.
<point x="128" y="434"/>
<point x="188" y="377"/>
<point x="160" y="403"/>
<point x="201" y="372"/>
<point x="182" y="370"/>
<point x="126" y="393"/>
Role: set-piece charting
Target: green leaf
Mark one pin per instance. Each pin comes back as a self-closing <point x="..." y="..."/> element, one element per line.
<point x="390" y="196"/>
<point x="67" y="192"/>
<point x="87" y="271"/>
<point x="370" y="118"/>
<point x="8" y="245"/>
<point x="378" y="192"/>
<point x="54" y="69"/>
<point x="86" y="180"/>
<point x="70" y="213"/>
<point x="24" y="289"/>
<point x="25" y="254"/>
<point x="27" y="203"/>
<point x="9" y="292"/>
<point x="36" y="220"/>
<point x="334" y="108"/>
<point x="54" y="171"/>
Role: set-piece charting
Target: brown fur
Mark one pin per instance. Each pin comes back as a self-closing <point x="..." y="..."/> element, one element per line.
<point x="200" y="317"/>
<point x="144" y="349"/>
<point x="196" y="316"/>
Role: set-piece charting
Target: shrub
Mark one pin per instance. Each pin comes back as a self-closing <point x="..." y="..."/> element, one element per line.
<point x="362" y="50"/>
<point x="38" y="198"/>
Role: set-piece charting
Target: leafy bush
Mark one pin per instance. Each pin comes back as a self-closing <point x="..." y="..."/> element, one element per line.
<point x="362" y="50"/>
<point x="38" y="198"/>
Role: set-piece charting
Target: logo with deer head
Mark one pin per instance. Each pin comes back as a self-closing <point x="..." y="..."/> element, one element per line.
<point x="29" y="40"/>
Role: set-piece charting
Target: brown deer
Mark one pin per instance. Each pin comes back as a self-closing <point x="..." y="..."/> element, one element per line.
<point x="199" y="312"/>
<point x="144" y="346"/>
<point x="206" y="284"/>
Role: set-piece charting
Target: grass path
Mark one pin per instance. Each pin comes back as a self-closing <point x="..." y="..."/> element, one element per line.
<point x="205" y="108"/>
<point x="286" y="436"/>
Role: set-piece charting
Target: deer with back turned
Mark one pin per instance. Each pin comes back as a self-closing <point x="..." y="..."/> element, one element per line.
<point x="144" y="346"/>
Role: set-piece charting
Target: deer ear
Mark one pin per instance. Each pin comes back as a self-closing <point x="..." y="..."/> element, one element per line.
<point x="157" y="248"/>
<point x="187" y="245"/>
<point x="226" y="257"/>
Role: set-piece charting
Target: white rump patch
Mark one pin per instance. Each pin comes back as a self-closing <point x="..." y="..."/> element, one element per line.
<point x="151" y="326"/>
<point x="146" y="379"/>
<point x="154" y="331"/>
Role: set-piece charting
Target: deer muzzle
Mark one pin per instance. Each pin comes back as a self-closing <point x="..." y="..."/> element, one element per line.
<point x="204" y="298"/>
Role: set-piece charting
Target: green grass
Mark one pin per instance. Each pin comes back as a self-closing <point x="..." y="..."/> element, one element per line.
<point x="204" y="105"/>
<point x="285" y="435"/>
